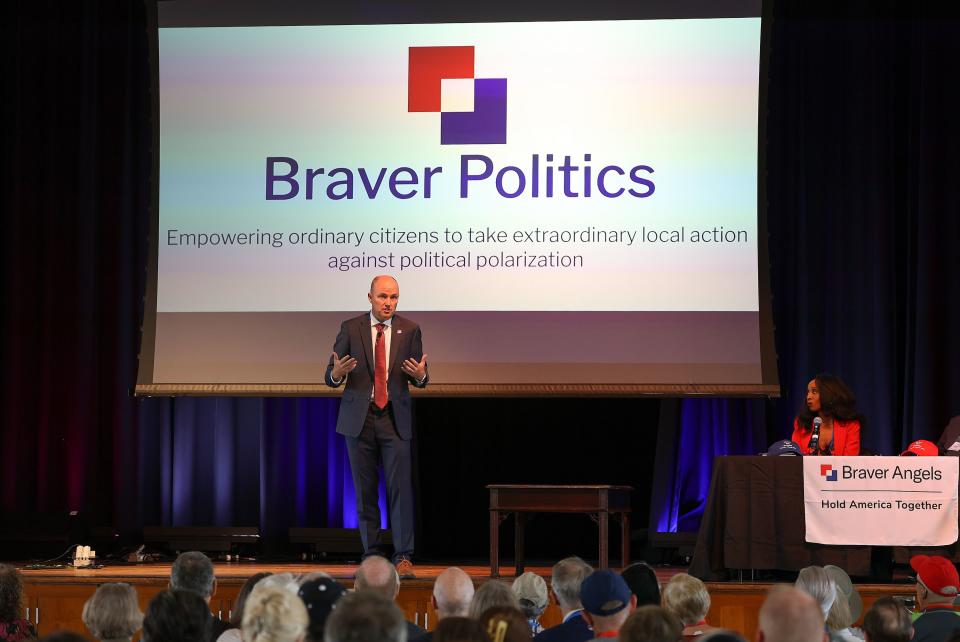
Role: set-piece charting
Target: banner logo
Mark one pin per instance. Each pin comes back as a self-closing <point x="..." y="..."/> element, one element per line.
<point x="472" y="110"/>
<point x="828" y="473"/>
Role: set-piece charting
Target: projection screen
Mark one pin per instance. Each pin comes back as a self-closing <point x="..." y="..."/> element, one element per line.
<point x="569" y="206"/>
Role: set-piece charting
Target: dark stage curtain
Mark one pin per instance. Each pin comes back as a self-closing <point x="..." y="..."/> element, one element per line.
<point x="273" y="463"/>
<point x="692" y="432"/>
<point x="863" y="211"/>
<point x="863" y="234"/>
<point x="75" y="172"/>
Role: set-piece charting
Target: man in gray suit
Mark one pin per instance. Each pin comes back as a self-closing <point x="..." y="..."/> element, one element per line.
<point x="379" y="355"/>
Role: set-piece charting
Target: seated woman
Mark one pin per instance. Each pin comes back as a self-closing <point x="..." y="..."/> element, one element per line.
<point x="831" y="400"/>
<point x="12" y="625"/>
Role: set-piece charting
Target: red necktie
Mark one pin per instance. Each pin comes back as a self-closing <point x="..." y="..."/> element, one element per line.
<point x="380" y="369"/>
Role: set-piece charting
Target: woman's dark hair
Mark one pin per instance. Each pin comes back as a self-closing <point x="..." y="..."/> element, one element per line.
<point x="460" y="629"/>
<point x="836" y="400"/>
<point x="642" y="580"/>
<point x="176" y="616"/>
<point x="11" y="593"/>
<point x="236" y="617"/>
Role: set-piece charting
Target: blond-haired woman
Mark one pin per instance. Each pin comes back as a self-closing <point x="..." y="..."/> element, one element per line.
<point x="274" y="615"/>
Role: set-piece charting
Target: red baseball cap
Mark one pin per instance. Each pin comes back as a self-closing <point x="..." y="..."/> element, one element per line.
<point x="936" y="573"/>
<point x="922" y="448"/>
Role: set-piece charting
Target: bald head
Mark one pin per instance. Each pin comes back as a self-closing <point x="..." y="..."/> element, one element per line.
<point x="790" y="615"/>
<point x="378" y="575"/>
<point x="384" y="296"/>
<point x="384" y="279"/>
<point x="452" y="593"/>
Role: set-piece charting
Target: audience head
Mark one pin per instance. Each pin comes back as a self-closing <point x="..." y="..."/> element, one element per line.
<point x="236" y="618"/>
<point x="817" y="583"/>
<point x="273" y="615"/>
<point x="376" y="573"/>
<point x="686" y="597"/>
<point x="113" y="612"/>
<point x="790" y="615"/>
<point x="607" y="601"/>
<point x="846" y="592"/>
<point x="193" y="571"/>
<point x="567" y="576"/>
<point x="11" y="593"/>
<point x="284" y="581"/>
<point x="937" y="580"/>
<point x="452" y="593"/>
<point x="460" y="629"/>
<point x="365" y="616"/>
<point x="887" y="621"/>
<point x="490" y="594"/>
<point x="643" y="583"/>
<point x="320" y="596"/>
<point x="838" y="617"/>
<point x="505" y="624"/>
<point x="651" y="623"/>
<point x="531" y="592"/>
<point x="176" y="616"/>
<point x="314" y="575"/>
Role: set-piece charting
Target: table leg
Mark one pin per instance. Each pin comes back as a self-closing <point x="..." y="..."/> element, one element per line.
<point x="624" y="540"/>
<point x="494" y="543"/>
<point x="520" y="520"/>
<point x="604" y="536"/>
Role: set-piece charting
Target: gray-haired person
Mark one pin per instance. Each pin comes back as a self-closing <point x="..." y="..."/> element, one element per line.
<point x="193" y="571"/>
<point x="565" y="580"/>
<point x="113" y="612"/>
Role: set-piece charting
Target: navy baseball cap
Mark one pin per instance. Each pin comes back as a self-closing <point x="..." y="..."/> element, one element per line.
<point x="604" y="593"/>
<point x="320" y="597"/>
<point x="784" y="447"/>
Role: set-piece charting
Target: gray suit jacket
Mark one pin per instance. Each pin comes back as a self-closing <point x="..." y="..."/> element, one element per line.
<point x="354" y="339"/>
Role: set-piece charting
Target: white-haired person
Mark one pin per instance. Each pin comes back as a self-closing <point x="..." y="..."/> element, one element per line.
<point x="113" y="612"/>
<point x="686" y="597"/>
<point x="274" y="614"/>
<point x="816" y="582"/>
<point x="846" y="608"/>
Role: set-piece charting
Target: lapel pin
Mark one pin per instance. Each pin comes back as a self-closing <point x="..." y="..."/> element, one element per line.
<point x="399" y="331"/>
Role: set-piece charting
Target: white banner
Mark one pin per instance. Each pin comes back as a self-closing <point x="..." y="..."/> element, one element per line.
<point x="883" y="501"/>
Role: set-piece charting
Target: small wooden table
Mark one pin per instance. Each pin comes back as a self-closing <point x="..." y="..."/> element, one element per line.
<point x="599" y="502"/>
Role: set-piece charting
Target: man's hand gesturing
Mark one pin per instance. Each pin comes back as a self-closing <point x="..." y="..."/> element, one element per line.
<point x="342" y="366"/>
<point x="416" y="369"/>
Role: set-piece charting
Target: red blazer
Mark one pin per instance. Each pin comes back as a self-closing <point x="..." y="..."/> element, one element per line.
<point x="846" y="437"/>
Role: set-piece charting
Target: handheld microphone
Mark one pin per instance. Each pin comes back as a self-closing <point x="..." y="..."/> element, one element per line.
<point x="815" y="437"/>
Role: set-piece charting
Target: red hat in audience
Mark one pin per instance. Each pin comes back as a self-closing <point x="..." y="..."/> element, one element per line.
<point x="922" y="448"/>
<point x="937" y="574"/>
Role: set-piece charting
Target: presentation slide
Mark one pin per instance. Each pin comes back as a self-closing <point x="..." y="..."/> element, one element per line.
<point x="562" y="203"/>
